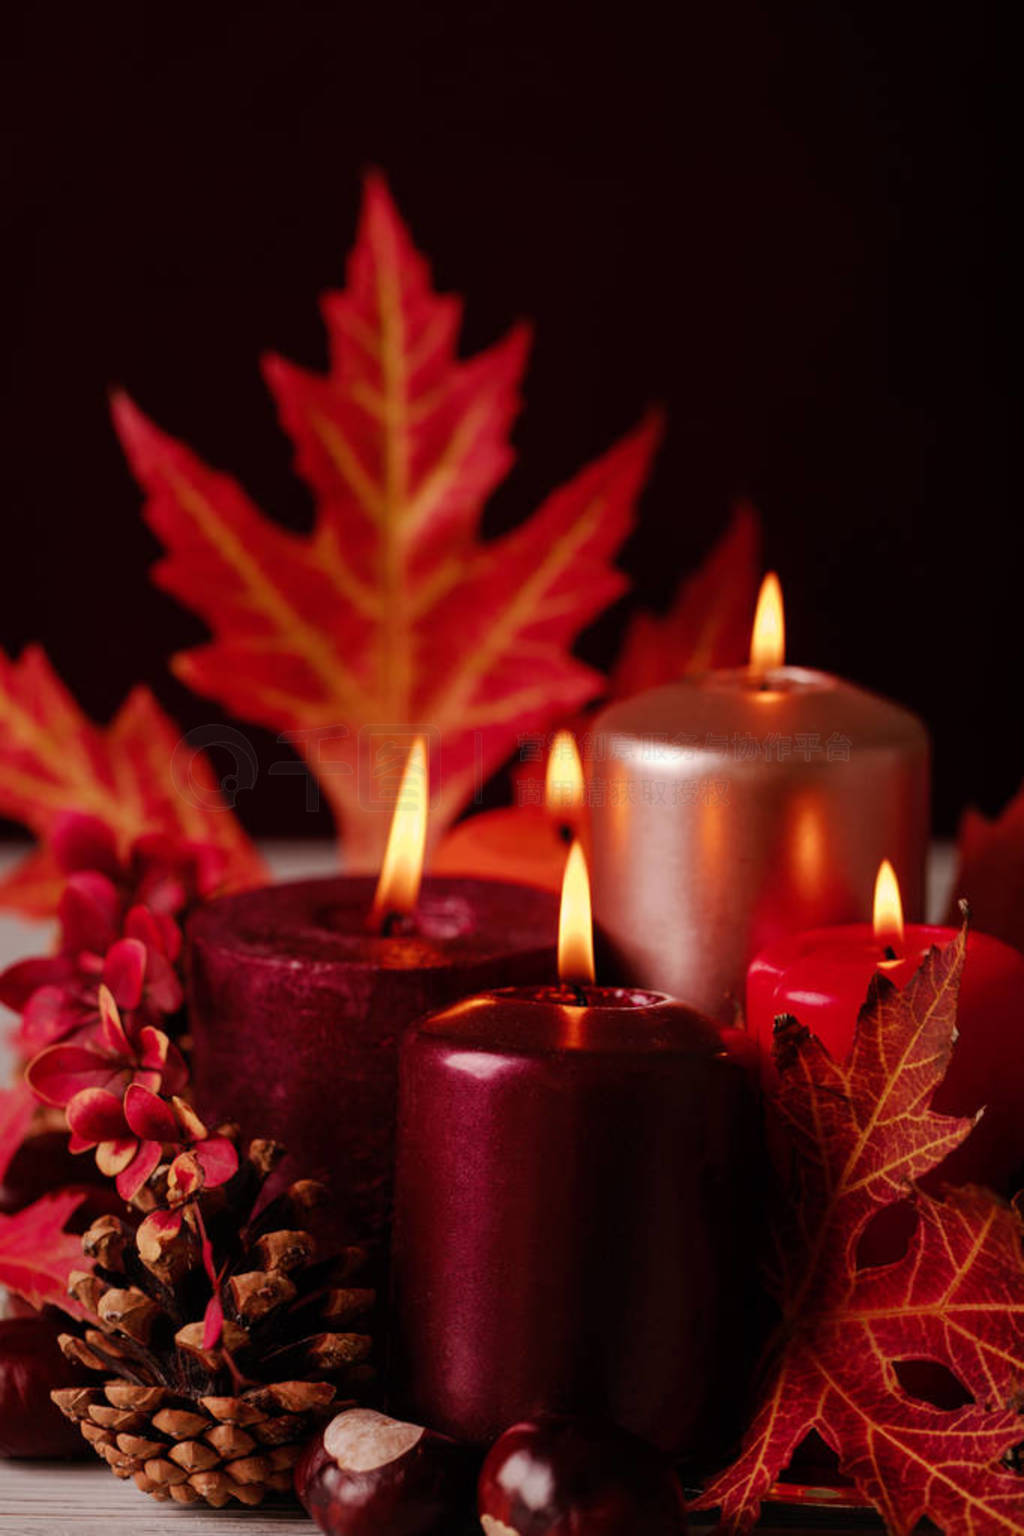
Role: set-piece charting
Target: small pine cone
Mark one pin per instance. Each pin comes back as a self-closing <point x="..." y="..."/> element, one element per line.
<point x="192" y="1422"/>
<point x="166" y="1441"/>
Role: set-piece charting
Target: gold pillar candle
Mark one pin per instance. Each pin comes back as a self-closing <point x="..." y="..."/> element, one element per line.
<point x="735" y="806"/>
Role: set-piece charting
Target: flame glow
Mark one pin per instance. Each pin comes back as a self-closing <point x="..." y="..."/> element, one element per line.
<point x="575" y="924"/>
<point x="563" y="785"/>
<point x="888" y="916"/>
<point x="402" y="870"/>
<point x="768" y="640"/>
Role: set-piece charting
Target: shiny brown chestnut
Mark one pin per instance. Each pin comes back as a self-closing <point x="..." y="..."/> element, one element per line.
<point x="31" y="1367"/>
<point x="370" y="1475"/>
<point x="554" y="1475"/>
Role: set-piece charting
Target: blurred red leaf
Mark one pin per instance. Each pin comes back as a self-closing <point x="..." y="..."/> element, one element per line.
<point x="391" y="616"/>
<point x="17" y="1106"/>
<point x="37" y="1255"/>
<point x="709" y="622"/>
<point x="54" y="760"/>
<point x="991" y="871"/>
<point x="860" y="1134"/>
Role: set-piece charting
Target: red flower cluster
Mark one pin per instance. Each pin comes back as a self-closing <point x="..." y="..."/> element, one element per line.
<point x="118" y="930"/>
<point x="94" y="1014"/>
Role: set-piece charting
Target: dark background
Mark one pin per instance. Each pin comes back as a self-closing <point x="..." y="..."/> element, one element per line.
<point x="784" y="221"/>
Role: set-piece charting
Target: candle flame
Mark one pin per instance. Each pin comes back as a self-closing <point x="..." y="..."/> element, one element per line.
<point x="563" y="786"/>
<point x="575" y="924"/>
<point x="402" y="870"/>
<point x="768" y="641"/>
<point x="888" y="906"/>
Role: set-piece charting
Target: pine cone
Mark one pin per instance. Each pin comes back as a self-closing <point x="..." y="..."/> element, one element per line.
<point x="201" y="1422"/>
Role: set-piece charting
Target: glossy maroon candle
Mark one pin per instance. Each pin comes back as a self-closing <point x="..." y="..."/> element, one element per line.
<point x="567" y="1211"/>
<point x="297" y="1010"/>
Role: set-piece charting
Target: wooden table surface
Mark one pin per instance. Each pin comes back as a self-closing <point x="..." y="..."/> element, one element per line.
<point x="57" y="1499"/>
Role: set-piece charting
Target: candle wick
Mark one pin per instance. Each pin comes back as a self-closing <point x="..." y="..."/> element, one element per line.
<point x="579" y="997"/>
<point x="890" y="953"/>
<point x="391" y="924"/>
<point x="565" y="832"/>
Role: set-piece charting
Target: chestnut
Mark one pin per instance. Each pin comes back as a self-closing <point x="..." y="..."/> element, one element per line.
<point x="31" y="1367"/>
<point x="369" y="1475"/>
<point x="554" y="1475"/>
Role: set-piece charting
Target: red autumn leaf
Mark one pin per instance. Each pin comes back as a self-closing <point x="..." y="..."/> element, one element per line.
<point x="710" y="621"/>
<point x="991" y="871"/>
<point x="391" y="616"/>
<point x="860" y="1135"/>
<point x="17" y="1106"/>
<point x="37" y="1255"/>
<point x="130" y="774"/>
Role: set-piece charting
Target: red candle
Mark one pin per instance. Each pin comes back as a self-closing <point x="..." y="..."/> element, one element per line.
<point x="821" y="976"/>
<point x="526" y="842"/>
<point x="567" y="1209"/>
<point x="300" y="993"/>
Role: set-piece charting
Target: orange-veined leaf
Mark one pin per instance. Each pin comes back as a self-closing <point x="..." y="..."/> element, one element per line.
<point x="131" y="774"/>
<point x="392" y="617"/>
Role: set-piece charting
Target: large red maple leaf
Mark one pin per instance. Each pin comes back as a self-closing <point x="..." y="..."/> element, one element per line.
<point x="392" y="617"/>
<point x="136" y="775"/>
<point x="860" y="1134"/>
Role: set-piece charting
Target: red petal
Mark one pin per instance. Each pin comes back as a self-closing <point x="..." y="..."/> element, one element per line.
<point x="167" y="1223"/>
<point x="95" y="1115"/>
<point x="84" y="842"/>
<point x="157" y="1054"/>
<point x="19" y="981"/>
<point x="218" y="1159"/>
<point x="160" y="1226"/>
<point x="192" y="1128"/>
<point x="135" y="1176"/>
<point x="153" y="1048"/>
<point x="149" y="1116"/>
<point x="58" y="1074"/>
<point x="143" y="924"/>
<point x="175" y="1070"/>
<point x="111" y="1029"/>
<point x="89" y="911"/>
<point x="154" y="1081"/>
<point x="161" y="866"/>
<point x="163" y="989"/>
<point x="51" y="1014"/>
<point x="213" y="1323"/>
<point x="124" y="972"/>
<point x="172" y="937"/>
<point x="113" y="1157"/>
<point x="185" y="1177"/>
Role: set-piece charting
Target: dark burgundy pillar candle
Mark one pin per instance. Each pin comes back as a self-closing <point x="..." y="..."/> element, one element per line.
<point x="567" y="1214"/>
<point x="297" y="1010"/>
